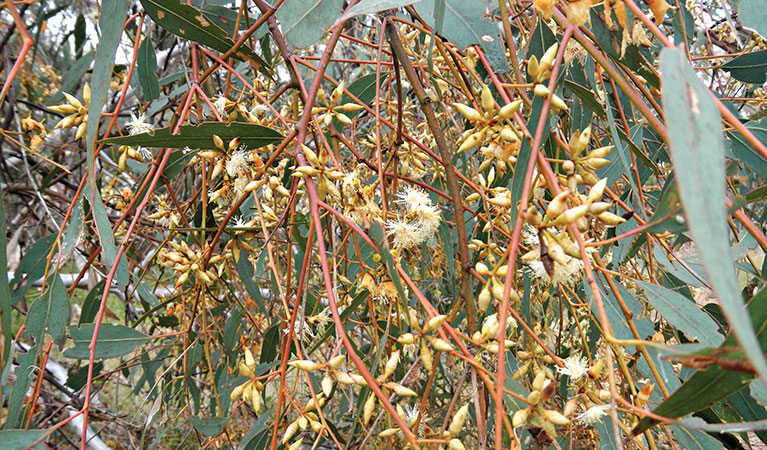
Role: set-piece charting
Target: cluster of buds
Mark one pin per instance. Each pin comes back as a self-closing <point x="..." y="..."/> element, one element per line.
<point x="540" y="72"/>
<point x="186" y="261"/>
<point x="537" y="414"/>
<point x="165" y="216"/>
<point x="251" y="389"/>
<point x="493" y="126"/>
<point x="331" y="108"/>
<point x="234" y="162"/>
<point x="326" y="177"/>
<point x="493" y="289"/>
<point x="78" y="112"/>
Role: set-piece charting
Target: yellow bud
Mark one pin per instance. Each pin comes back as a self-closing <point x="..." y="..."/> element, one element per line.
<point x="391" y="365"/>
<point x="296" y="445"/>
<point x="488" y="103"/>
<point x="406" y="339"/>
<point x="599" y="207"/>
<point x="73" y="101"/>
<point x="434" y="323"/>
<point x="571" y="215"/>
<point x="595" y="163"/>
<point x="556" y="417"/>
<point x="441" y="345"/>
<point x="532" y="67"/>
<point x="558" y="104"/>
<point x="236" y="393"/>
<point x="557" y="205"/>
<point x="541" y="90"/>
<point x="468" y="112"/>
<point x="534" y="397"/>
<point x="489" y="327"/>
<point x="327" y="385"/>
<point x="485" y="297"/>
<point x="548" y="58"/>
<point x="389" y="432"/>
<point x="456" y="444"/>
<point x="368" y="409"/>
<point x="519" y="418"/>
<point x="336" y="362"/>
<point x="218" y="142"/>
<point x="509" y="135"/>
<point x="508" y="110"/>
<point x="290" y="431"/>
<point x="400" y="390"/>
<point x="601" y="152"/>
<point x="427" y="358"/>
<point x="610" y="219"/>
<point x="482" y="269"/>
<point x="245" y="370"/>
<point x="472" y="141"/>
<point x="305" y="365"/>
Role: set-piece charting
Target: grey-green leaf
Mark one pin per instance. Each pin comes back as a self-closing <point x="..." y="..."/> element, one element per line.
<point x="20" y="439"/>
<point x="697" y="150"/>
<point x="50" y="312"/>
<point x="201" y="136"/>
<point x="753" y="15"/>
<point x="465" y="24"/>
<point x="146" y="67"/>
<point x="209" y="426"/>
<point x="113" y="341"/>
<point x="683" y="314"/>
<point x="374" y="6"/>
<point x="305" y="21"/>
<point x="749" y="68"/>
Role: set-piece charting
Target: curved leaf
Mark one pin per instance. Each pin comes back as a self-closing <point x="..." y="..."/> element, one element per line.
<point x="146" y="68"/>
<point x="697" y="150"/>
<point x="20" y="439"/>
<point x="682" y="314"/>
<point x="201" y="136"/>
<point x="50" y="312"/>
<point x="749" y="68"/>
<point x="188" y="22"/>
<point x="374" y="6"/>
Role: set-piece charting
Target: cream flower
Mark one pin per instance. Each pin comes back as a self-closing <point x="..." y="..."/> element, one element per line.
<point x="138" y="125"/>
<point x="593" y="415"/>
<point x="575" y="367"/>
<point x="238" y="162"/>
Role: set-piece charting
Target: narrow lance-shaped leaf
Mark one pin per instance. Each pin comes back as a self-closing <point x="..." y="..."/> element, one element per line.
<point x="697" y="150"/>
<point x="146" y="66"/>
<point x="201" y="136"/>
<point x="682" y="314"/>
<point x="188" y="22"/>
<point x="50" y="312"/>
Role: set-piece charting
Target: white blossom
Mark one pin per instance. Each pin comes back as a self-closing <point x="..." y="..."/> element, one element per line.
<point x="220" y="105"/>
<point x="593" y="415"/>
<point x="138" y="125"/>
<point x="575" y="367"/>
<point x="237" y="163"/>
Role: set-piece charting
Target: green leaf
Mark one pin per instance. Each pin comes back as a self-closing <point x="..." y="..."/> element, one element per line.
<point x="146" y="68"/>
<point x="104" y="228"/>
<point x="303" y="22"/>
<point x="50" y="312"/>
<point x="188" y="22"/>
<point x="695" y="439"/>
<point x="5" y="294"/>
<point x="201" y="136"/>
<point x="374" y="6"/>
<point x="707" y="387"/>
<point x="744" y="151"/>
<point x="697" y="150"/>
<point x="113" y="341"/>
<point x="20" y="439"/>
<point x="682" y="314"/>
<point x="587" y="96"/>
<point x="465" y="24"/>
<point x="32" y="267"/>
<point x="26" y="362"/>
<point x="749" y="68"/>
<point x="209" y="426"/>
<point x="177" y="161"/>
<point x="79" y="33"/>
<point x="753" y="15"/>
<point x="92" y="303"/>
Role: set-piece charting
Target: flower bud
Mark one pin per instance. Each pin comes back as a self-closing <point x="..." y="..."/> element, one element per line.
<point x="468" y="112"/>
<point x="519" y="418"/>
<point x="488" y="103"/>
<point x="508" y="111"/>
<point x="610" y="219"/>
<point x="532" y="67"/>
<point x="456" y="425"/>
<point x="541" y="90"/>
<point x="434" y="323"/>
<point x="456" y="444"/>
<point x="548" y="58"/>
<point x="485" y="297"/>
<point x="441" y="345"/>
<point x="401" y="390"/>
<point x="368" y="409"/>
<point x="472" y="141"/>
<point x="556" y="206"/>
<point x="556" y="417"/>
<point x="305" y="365"/>
<point x="571" y="215"/>
<point x="558" y="104"/>
<point x="406" y="339"/>
<point x="595" y="194"/>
